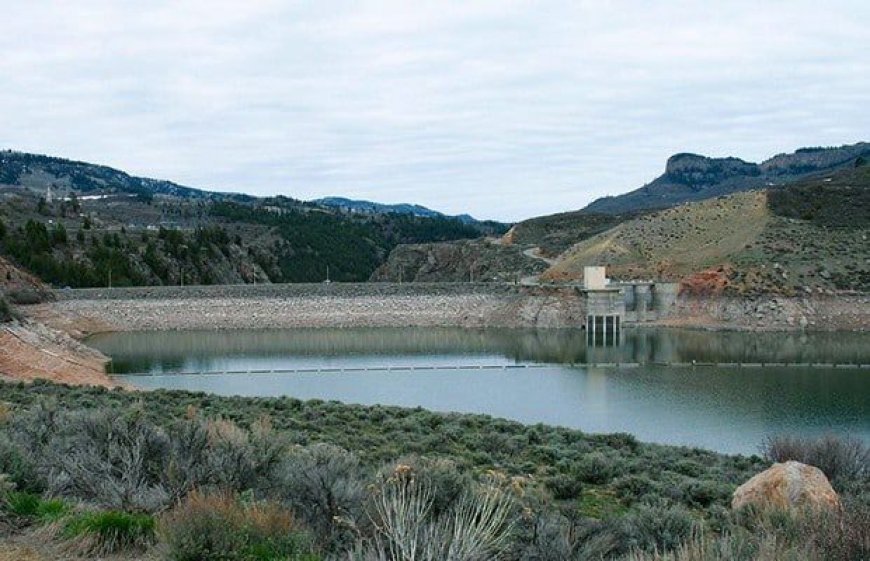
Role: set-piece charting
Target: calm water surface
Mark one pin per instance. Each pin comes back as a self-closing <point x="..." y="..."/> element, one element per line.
<point x="725" y="409"/>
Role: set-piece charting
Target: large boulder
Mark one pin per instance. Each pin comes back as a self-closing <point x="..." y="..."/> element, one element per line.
<point x="787" y="486"/>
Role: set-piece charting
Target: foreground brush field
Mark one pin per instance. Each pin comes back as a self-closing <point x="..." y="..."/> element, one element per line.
<point x="177" y="475"/>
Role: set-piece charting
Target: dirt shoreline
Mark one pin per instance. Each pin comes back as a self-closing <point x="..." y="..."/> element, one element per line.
<point x="30" y="351"/>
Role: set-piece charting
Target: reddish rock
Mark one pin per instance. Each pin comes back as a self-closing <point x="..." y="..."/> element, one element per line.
<point x="710" y="282"/>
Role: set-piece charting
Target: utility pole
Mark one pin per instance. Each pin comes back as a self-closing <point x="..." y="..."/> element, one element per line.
<point x="110" y="277"/>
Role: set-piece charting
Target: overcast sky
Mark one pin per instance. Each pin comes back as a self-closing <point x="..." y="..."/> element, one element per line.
<point x="501" y="109"/>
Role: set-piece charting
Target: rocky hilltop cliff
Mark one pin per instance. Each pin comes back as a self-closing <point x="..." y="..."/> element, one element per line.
<point x="692" y="177"/>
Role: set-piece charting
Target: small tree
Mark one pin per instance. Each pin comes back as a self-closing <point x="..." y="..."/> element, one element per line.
<point x="58" y="235"/>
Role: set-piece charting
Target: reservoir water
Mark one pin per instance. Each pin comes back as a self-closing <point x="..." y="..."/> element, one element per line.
<point x="535" y="376"/>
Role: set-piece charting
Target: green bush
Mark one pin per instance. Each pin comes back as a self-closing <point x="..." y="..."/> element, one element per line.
<point x="20" y="504"/>
<point x="634" y="487"/>
<point x="5" y="310"/>
<point x="26" y="296"/>
<point x="704" y="493"/>
<point x="104" y="532"/>
<point x="657" y="529"/>
<point x="17" y="466"/>
<point x="564" y="487"/>
<point x="594" y="468"/>
<point x="222" y="527"/>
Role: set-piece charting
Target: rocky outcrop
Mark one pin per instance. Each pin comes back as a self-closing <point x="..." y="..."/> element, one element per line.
<point x="814" y="312"/>
<point x="691" y="177"/>
<point x="808" y="160"/>
<point x="461" y="261"/>
<point x="699" y="171"/>
<point x="790" y="485"/>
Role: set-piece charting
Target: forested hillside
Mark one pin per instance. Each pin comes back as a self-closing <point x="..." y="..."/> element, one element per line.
<point x="81" y="225"/>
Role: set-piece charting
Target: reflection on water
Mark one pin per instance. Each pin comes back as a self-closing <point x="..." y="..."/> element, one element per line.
<point x="211" y="350"/>
<point x="725" y="409"/>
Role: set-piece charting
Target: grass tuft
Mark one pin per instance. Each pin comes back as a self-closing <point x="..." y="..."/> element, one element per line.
<point x="100" y="533"/>
<point x="20" y="504"/>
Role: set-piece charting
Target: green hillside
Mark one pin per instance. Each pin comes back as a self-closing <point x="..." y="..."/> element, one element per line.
<point x="77" y="224"/>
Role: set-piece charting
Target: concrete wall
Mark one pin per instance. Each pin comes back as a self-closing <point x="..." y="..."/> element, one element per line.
<point x="645" y="302"/>
<point x="605" y="302"/>
<point x="594" y="278"/>
<point x="665" y="299"/>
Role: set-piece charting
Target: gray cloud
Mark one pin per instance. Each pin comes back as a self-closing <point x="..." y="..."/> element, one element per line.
<point x="503" y="109"/>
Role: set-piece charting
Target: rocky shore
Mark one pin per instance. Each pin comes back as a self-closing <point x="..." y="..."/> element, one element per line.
<point x="812" y="312"/>
<point x="291" y="306"/>
<point x="81" y="312"/>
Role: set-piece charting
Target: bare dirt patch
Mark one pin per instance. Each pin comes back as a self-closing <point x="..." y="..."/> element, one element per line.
<point x="30" y="351"/>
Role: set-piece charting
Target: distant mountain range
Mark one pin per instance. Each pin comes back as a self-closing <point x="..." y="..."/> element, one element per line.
<point x="690" y="177"/>
<point x="38" y="172"/>
<point x="369" y="207"/>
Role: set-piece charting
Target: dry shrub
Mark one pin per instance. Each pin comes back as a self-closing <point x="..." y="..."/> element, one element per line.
<point x="325" y="485"/>
<point x="781" y="536"/>
<point x="7" y="486"/>
<point x="222" y="526"/>
<point x="844" y="460"/>
<point x="477" y="527"/>
<point x="440" y="475"/>
<point x="219" y="455"/>
<point x="114" y="460"/>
